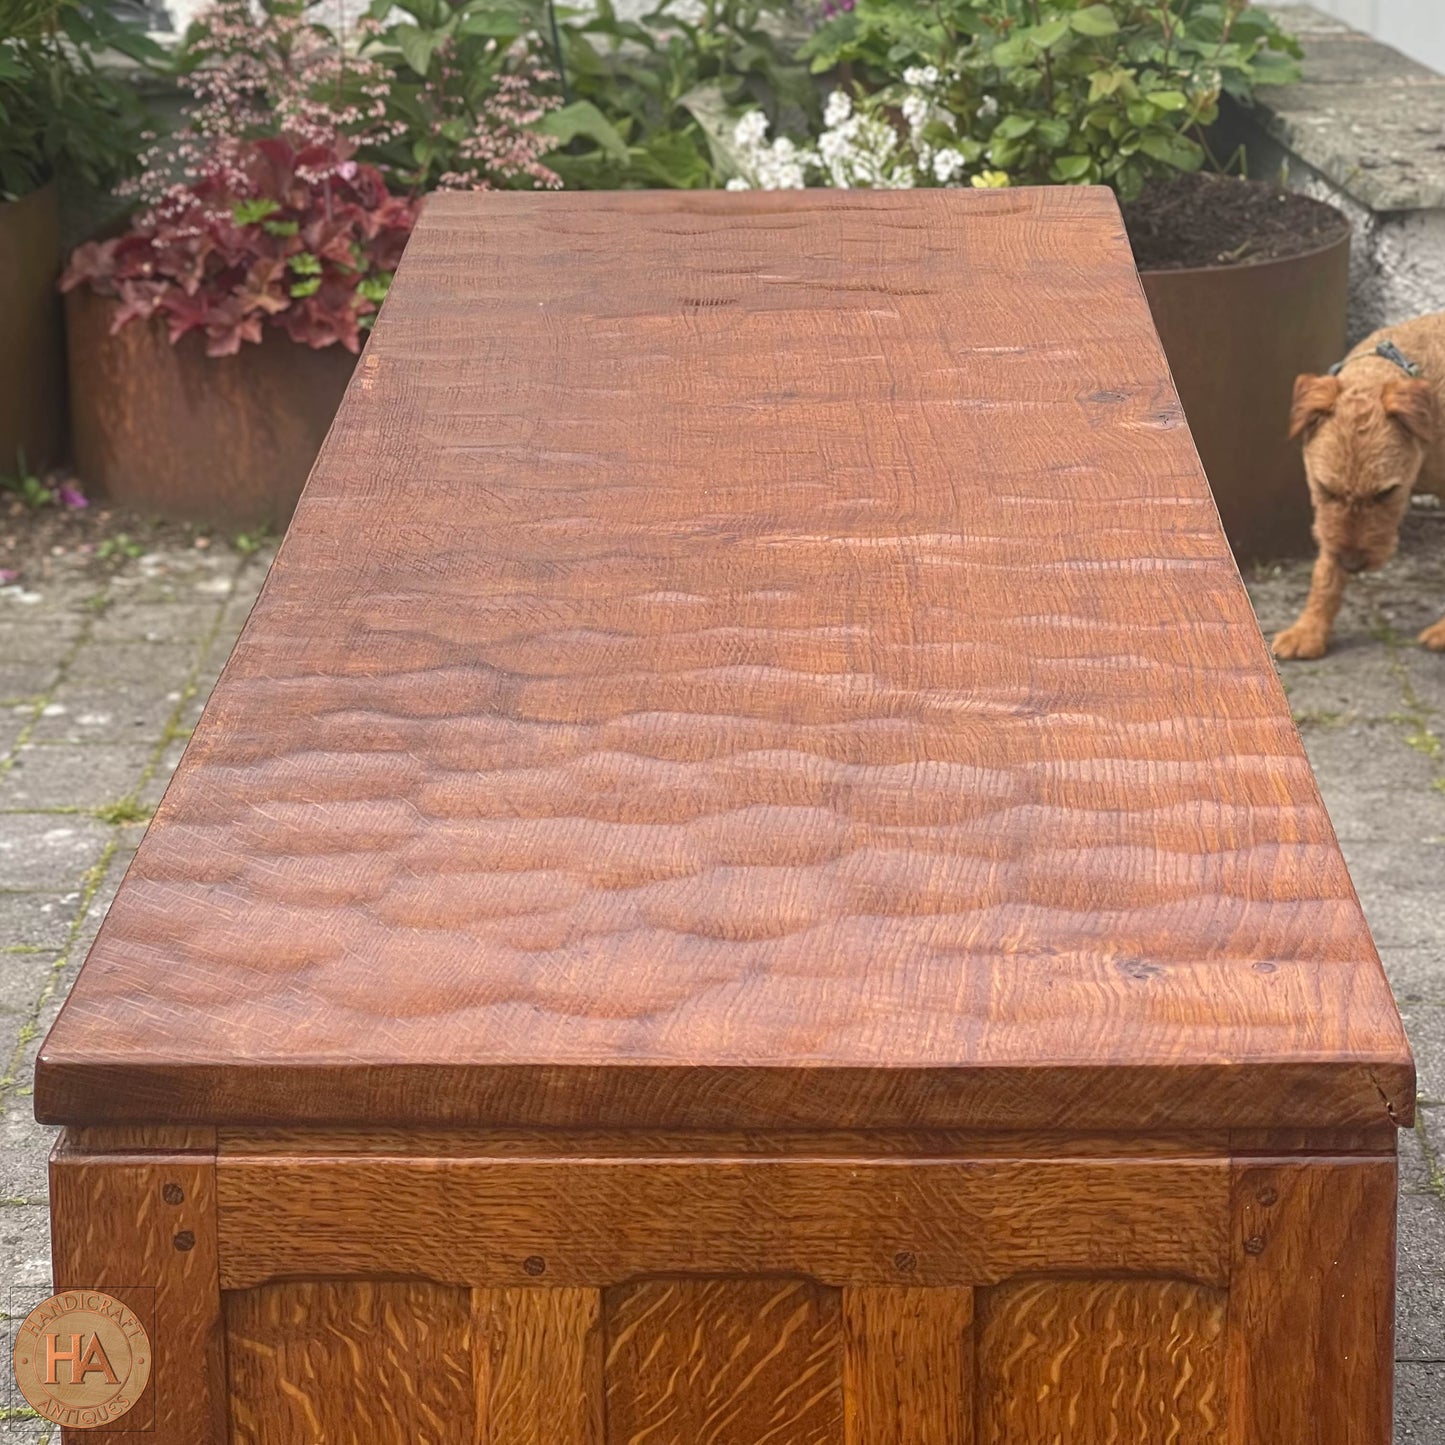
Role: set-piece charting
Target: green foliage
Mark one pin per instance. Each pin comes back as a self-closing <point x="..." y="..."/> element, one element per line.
<point x="24" y="484"/>
<point x="1068" y="90"/>
<point x="123" y="810"/>
<point x="460" y="100"/>
<point x="639" y="91"/>
<point x="60" y="109"/>
<point x="119" y="548"/>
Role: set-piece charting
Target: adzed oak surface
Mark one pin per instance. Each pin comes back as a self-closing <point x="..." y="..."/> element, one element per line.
<point x="743" y="661"/>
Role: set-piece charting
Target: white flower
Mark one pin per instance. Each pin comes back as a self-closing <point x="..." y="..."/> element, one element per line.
<point x="751" y="130"/>
<point x="838" y="109"/>
<point x="946" y="165"/>
<point x="737" y="183"/>
<point x="921" y="75"/>
<point x="915" y="110"/>
<point x="989" y="108"/>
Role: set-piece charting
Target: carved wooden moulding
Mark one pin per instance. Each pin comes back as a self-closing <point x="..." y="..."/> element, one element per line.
<point x="748" y="881"/>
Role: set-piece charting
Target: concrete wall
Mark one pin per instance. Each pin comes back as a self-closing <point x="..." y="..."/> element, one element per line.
<point x="1416" y="27"/>
<point x="1363" y="130"/>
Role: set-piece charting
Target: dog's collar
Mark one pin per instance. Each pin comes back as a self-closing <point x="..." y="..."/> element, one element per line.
<point x="1390" y="352"/>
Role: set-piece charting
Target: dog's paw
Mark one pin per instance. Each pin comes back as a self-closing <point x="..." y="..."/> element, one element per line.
<point x="1300" y="641"/>
<point x="1434" y="637"/>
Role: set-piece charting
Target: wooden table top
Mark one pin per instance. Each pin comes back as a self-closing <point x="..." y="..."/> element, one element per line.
<point x="746" y="660"/>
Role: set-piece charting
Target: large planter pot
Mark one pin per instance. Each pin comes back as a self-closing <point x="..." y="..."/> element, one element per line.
<point x="1236" y="337"/>
<point x="32" y="366"/>
<point x="170" y="431"/>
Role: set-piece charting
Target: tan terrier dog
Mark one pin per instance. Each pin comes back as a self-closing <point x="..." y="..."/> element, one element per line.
<point x="1373" y="431"/>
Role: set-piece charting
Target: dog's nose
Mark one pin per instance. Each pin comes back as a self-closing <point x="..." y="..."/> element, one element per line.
<point x="1353" y="560"/>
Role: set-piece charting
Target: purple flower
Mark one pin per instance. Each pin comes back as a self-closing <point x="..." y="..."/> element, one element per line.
<point x="836" y="7"/>
<point x="7" y="576"/>
<point x="71" y="496"/>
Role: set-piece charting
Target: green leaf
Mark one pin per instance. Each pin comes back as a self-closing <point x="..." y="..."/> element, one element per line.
<point x="416" y="46"/>
<point x="1173" y="150"/>
<point x="247" y="213"/>
<point x="306" y="288"/>
<point x="1052" y="132"/>
<point x="374" y="288"/>
<point x="1094" y="21"/>
<point x="708" y="106"/>
<point x="1168" y="99"/>
<point x="1009" y="53"/>
<point x="280" y="228"/>
<point x="1014" y="127"/>
<point x="582" y="118"/>
<point x="492" y="24"/>
<point x="303" y="263"/>
<point x="1071" y="168"/>
<point x="1049" y="34"/>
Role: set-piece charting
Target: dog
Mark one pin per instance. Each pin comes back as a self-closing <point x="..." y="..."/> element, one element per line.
<point x="1373" y="432"/>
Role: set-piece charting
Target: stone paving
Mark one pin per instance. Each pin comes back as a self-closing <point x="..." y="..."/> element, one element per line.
<point x="101" y="682"/>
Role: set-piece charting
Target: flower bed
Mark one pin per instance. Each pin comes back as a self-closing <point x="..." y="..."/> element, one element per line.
<point x="284" y="199"/>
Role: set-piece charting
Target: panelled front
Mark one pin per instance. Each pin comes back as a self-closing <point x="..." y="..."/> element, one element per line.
<point x="725" y="1300"/>
<point x="739" y="1361"/>
<point x="829" y="1298"/>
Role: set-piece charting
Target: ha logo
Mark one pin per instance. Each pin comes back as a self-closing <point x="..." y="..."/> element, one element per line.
<point x="82" y="1359"/>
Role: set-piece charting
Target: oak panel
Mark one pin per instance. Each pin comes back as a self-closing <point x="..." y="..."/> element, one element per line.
<point x="144" y="1230"/>
<point x="908" y="1366"/>
<point x="538" y="1360"/>
<point x="723" y="1361"/>
<point x="1311" y="1305"/>
<point x="1063" y="1362"/>
<point x="598" y="1222"/>
<point x="350" y="1363"/>
<point x="746" y="660"/>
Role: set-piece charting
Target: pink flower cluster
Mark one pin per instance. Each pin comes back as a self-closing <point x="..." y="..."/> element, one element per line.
<point x="506" y="149"/>
<point x="259" y="72"/>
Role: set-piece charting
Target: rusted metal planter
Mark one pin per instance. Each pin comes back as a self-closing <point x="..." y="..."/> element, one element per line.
<point x="1236" y="337"/>
<point x="32" y="367"/>
<point x="170" y="431"/>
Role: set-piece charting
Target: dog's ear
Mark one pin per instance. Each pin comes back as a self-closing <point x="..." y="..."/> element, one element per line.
<point x="1314" y="399"/>
<point x="1412" y="404"/>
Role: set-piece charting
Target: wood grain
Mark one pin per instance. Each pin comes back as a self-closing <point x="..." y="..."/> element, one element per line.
<point x="839" y="1221"/>
<point x="350" y="1363"/>
<point x="1312" y="1302"/>
<point x="722" y="1362"/>
<point x="1107" y="1362"/>
<point x="908" y="1366"/>
<point x="539" y="1366"/>
<point x="746" y="660"/>
<point x="141" y="1139"/>
<point x="115" y="1227"/>
<point x="773" y="1143"/>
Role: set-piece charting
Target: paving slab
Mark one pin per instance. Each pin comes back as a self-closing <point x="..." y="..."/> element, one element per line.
<point x="45" y="776"/>
<point x="23" y="980"/>
<point x="1420" y="1303"/>
<point x="1419" y="1404"/>
<point x="36" y="920"/>
<point x="118" y="692"/>
<point x="1425" y="1024"/>
<point x="1417" y="974"/>
<point x="156" y="623"/>
<point x="40" y="851"/>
